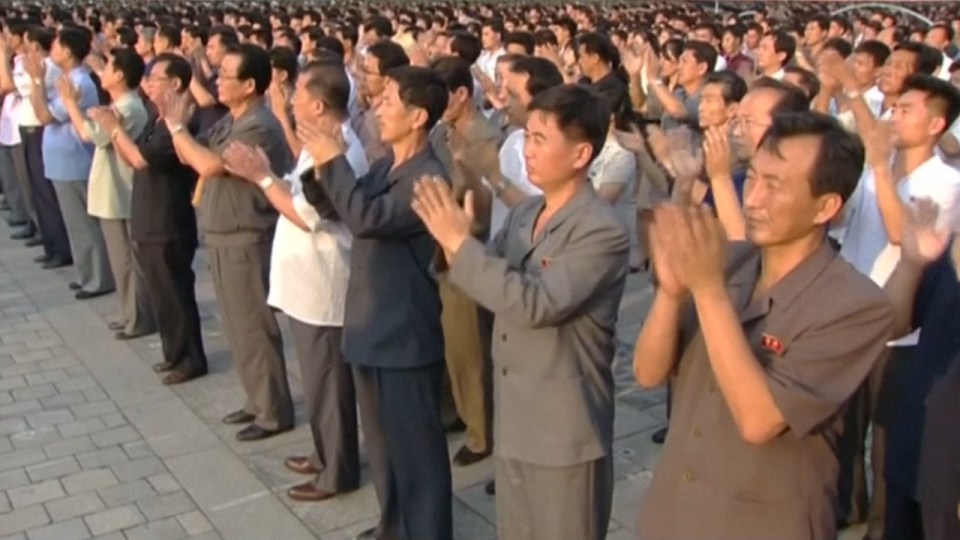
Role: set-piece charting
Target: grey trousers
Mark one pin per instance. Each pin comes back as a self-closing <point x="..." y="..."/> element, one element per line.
<point x="12" y="185"/>
<point x="536" y="502"/>
<point x="86" y="239"/>
<point x="136" y="313"/>
<point x="240" y="278"/>
<point x="331" y="406"/>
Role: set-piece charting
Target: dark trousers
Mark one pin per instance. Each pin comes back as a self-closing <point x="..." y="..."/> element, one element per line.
<point x="940" y="525"/>
<point x="56" y="243"/>
<point x="903" y="519"/>
<point x="409" y="463"/>
<point x="168" y="279"/>
<point x="331" y="406"/>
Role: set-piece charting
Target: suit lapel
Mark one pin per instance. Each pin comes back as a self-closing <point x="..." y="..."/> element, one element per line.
<point x="578" y="202"/>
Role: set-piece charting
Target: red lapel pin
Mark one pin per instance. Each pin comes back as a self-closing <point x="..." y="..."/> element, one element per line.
<point x="772" y="344"/>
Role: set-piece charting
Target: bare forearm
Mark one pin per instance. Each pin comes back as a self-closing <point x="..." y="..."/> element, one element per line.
<point x="200" y="94"/>
<point x="77" y="119"/>
<point x="901" y="289"/>
<point x="891" y="207"/>
<point x="279" y="196"/>
<point x="671" y="104"/>
<point x="738" y="372"/>
<point x="289" y="132"/>
<point x="203" y="160"/>
<point x="728" y="207"/>
<point x="657" y="348"/>
<point x="128" y="150"/>
<point x="38" y="99"/>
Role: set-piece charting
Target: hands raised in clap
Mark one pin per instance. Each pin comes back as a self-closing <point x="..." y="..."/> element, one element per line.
<point x="689" y="247"/>
<point x="246" y="162"/>
<point x="923" y="240"/>
<point x="322" y="139"/>
<point x="448" y="222"/>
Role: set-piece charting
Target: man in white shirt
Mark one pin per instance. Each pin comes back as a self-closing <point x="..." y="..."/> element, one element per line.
<point x="776" y="50"/>
<point x="900" y="167"/>
<point x="940" y="36"/>
<point x="491" y="37"/>
<point x="527" y="77"/>
<point x="309" y="269"/>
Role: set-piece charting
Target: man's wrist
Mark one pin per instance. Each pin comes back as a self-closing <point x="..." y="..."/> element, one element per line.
<point x="712" y="291"/>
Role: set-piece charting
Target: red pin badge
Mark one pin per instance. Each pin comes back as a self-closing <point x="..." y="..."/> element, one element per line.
<point x="772" y="344"/>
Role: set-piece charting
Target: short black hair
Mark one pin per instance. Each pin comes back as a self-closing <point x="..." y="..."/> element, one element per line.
<point x="177" y="68"/>
<point x="704" y="53"/>
<point x="821" y="20"/>
<point x="454" y="72"/>
<point x="75" y="40"/>
<point x="784" y="43"/>
<point x="580" y="113"/>
<point x="127" y="36"/>
<point x="842" y="47"/>
<point x="877" y="50"/>
<point x="466" y="46"/>
<point x="130" y="64"/>
<point x="710" y="27"/>
<point x="422" y="88"/>
<point x="809" y="82"/>
<point x="839" y="153"/>
<point x="928" y="58"/>
<point x="946" y="28"/>
<point x="524" y="39"/>
<point x="171" y="33"/>
<point x="843" y="22"/>
<point x="380" y="26"/>
<point x="543" y="74"/>
<point x="197" y="32"/>
<point x="254" y="64"/>
<point x="330" y="44"/>
<point x="494" y="24"/>
<point x="792" y="99"/>
<point x="348" y="32"/>
<point x="228" y="36"/>
<point x="942" y="97"/>
<point x="544" y="37"/>
<point x="327" y="81"/>
<point x="733" y="86"/>
<point x="389" y="55"/>
<point x="285" y="59"/>
<point x="601" y="45"/>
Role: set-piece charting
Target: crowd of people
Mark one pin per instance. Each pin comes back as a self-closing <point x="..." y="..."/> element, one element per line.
<point x="445" y="201"/>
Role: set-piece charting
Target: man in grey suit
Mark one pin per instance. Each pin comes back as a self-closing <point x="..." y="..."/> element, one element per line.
<point x="391" y="332"/>
<point x="554" y="277"/>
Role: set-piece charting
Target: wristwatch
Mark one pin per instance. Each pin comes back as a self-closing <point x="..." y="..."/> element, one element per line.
<point x="852" y="94"/>
<point x="176" y="129"/>
<point x="265" y="182"/>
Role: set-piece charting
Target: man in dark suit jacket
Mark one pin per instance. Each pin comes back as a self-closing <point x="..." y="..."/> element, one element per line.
<point x="392" y="333"/>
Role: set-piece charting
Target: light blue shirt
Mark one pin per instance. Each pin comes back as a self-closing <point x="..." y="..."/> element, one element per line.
<point x="66" y="158"/>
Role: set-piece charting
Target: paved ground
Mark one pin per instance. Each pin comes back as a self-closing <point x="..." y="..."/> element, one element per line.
<point x="93" y="446"/>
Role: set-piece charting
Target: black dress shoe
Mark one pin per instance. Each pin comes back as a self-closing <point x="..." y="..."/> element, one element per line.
<point x="45" y="258"/>
<point x="239" y="417"/>
<point x="369" y="534"/>
<point x="115" y="326"/>
<point x="254" y="432"/>
<point x="490" y="488"/>
<point x="17" y="222"/>
<point x="659" y="436"/>
<point x="34" y="242"/>
<point x="86" y="295"/>
<point x="124" y="336"/>
<point x="74" y="286"/>
<point x="22" y="235"/>
<point x="59" y="262"/>
<point x="163" y="367"/>
<point x="179" y="377"/>
<point x="466" y="457"/>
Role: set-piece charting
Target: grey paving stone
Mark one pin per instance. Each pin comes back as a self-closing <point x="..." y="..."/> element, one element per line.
<point x="32" y="438"/>
<point x="81" y="427"/>
<point x="95" y="394"/>
<point x="49" y="418"/>
<point x="194" y="523"/>
<point x="31" y="355"/>
<point x="73" y="529"/>
<point x="164" y="506"/>
<point x="18" y="536"/>
<point x="103" y="457"/>
<point x="138" y="468"/>
<point x="166" y="529"/>
<point x="4" y="504"/>
<point x="126" y="493"/>
<point x="58" y="362"/>
<point x="12" y="425"/>
<point x="23" y="519"/>
<point x="119" y="434"/>
<point x="88" y="481"/>
<point x="5" y="398"/>
<point x="53" y="376"/>
<point x="13" y="478"/>
<point x="164" y="483"/>
<point x="74" y="506"/>
<point x="19" y="408"/>
<point x="53" y="469"/>
<point x="12" y="383"/>
<point x="20" y="458"/>
<point x="138" y="449"/>
<point x="35" y="493"/>
<point x="44" y="343"/>
<point x="97" y="408"/>
<point x="114" y="519"/>
<point x="77" y="383"/>
<point x="114" y="420"/>
<point x="69" y="447"/>
<point x="68" y="399"/>
<point x="5" y="445"/>
<point x="34" y="392"/>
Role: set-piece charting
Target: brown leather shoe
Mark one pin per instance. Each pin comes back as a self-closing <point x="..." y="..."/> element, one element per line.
<point x="300" y="465"/>
<point x="307" y="493"/>
<point x="179" y="377"/>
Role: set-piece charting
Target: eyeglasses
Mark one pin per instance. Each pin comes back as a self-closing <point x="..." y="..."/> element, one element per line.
<point x="747" y="123"/>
